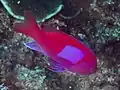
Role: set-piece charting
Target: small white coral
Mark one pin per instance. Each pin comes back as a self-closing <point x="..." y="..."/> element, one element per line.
<point x="2" y="87"/>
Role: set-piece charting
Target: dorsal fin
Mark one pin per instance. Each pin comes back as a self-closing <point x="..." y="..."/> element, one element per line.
<point x="48" y="28"/>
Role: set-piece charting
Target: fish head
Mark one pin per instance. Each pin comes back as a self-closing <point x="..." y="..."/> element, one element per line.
<point x="85" y="67"/>
<point x="81" y="62"/>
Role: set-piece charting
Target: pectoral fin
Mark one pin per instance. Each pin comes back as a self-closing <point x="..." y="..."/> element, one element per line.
<point x="34" y="46"/>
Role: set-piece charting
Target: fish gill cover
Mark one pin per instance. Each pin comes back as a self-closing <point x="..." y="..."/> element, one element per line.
<point x="42" y="9"/>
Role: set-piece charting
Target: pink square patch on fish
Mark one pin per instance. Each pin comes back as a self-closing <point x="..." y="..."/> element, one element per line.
<point x="71" y="54"/>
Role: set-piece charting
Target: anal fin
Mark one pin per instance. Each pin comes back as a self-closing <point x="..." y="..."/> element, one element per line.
<point x="55" y="67"/>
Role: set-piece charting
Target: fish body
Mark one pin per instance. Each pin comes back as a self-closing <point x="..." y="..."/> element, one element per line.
<point x="64" y="50"/>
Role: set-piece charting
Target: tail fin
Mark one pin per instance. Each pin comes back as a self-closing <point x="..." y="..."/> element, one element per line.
<point x="29" y="26"/>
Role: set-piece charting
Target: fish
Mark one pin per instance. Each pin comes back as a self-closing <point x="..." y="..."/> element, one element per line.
<point x="65" y="51"/>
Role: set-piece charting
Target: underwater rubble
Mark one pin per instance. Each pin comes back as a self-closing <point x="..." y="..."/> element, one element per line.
<point x="95" y="22"/>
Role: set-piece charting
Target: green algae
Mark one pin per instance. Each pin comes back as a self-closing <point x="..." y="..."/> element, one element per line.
<point x="106" y="34"/>
<point x="33" y="79"/>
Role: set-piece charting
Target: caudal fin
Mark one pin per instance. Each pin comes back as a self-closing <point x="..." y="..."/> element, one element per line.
<point x="29" y="26"/>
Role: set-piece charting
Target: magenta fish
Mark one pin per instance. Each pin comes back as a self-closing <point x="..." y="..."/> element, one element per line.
<point x="66" y="52"/>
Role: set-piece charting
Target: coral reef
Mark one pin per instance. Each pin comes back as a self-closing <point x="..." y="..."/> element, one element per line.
<point x="97" y="24"/>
